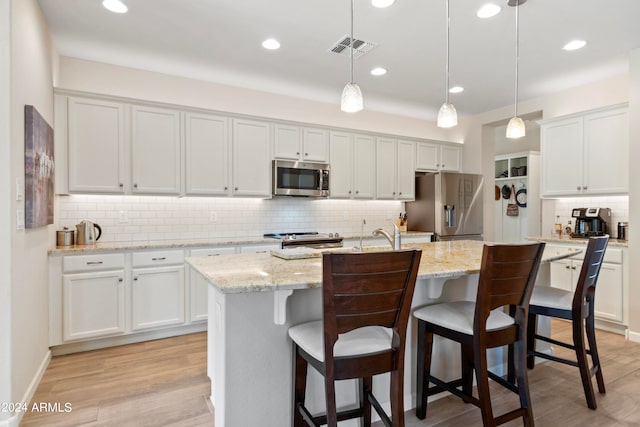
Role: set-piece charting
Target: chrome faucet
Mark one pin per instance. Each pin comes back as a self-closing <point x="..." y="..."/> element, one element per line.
<point x="361" y="248"/>
<point x="395" y="241"/>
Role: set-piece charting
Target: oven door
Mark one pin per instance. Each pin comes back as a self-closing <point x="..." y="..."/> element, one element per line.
<point x="299" y="179"/>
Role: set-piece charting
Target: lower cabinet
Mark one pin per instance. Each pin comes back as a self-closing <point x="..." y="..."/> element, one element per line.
<point x="94" y="304"/>
<point x="610" y="287"/>
<point x="198" y="286"/>
<point x="157" y="297"/>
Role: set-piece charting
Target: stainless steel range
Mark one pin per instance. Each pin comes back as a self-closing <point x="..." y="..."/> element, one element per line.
<point x="308" y="239"/>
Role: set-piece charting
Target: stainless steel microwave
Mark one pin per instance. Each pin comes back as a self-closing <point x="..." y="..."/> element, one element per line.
<point x="305" y="179"/>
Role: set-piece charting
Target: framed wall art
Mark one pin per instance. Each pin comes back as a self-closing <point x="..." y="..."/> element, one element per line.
<point x="39" y="169"/>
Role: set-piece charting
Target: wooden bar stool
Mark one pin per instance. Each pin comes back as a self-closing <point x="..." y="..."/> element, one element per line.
<point x="578" y="308"/>
<point x="507" y="277"/>
<point x="366" y="305"/>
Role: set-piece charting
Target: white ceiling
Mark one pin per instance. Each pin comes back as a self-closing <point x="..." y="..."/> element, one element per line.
<point x="220" y="41"/>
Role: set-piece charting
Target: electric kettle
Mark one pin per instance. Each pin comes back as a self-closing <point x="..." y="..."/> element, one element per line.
<point x="86" y="233"/>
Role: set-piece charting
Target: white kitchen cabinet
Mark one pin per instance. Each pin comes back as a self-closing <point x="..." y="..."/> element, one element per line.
<point x="586" y="154"/>
<point x="93" y="297"/>
<point x="395" y="169"/>
<point x="352" y="165"/>
<point x="198" y="286"/>
<point x="207" y="146"/>
<point x="303" y="144"/>
<point x="610" y="287"/>
<point x="251" y="158"/>
<point x="156" y="150"/>
<point x="259" y="249"/>
<point x="432" y="156"/>
<point x="157" y="289"/>
<point x="96" y="145"/>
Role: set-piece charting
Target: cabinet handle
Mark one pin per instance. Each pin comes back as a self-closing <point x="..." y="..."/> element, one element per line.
<point x="162" y="258"/>
<point x="306" y="154"/>
<point x="438" y="165"/>
<point x="120" y="279"/>
<point x="579" y="188"/>
<point x="357" y="192"/>
<point x="443" y="165"/>
<point x="213" y="254"/>
<point x="584" y="188"/>
<point x="235" y="189"/>
<point x="261" y="252"/>
<point x="573" y="268"/>
<point x="94" y="262"/>
<point x="567" y="267"/>
<point x="297" y="153"/>
<point x="135" y="185"/>
<point x="121" y="185"/>
<point x="226" y="188"/>
<point x="400" y="193"/>
<point x="349" y="191"/>
<point x="394" y="193"/>
<point x="135" y="278"/>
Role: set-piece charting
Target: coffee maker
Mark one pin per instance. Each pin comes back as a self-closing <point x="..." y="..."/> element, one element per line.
<point x="591" y="221"/>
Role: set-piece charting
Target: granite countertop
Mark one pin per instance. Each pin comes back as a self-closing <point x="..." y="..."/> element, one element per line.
<point x="263" y="272"/>
<point x="576" y="241"/>
<point x="102" y="247"/>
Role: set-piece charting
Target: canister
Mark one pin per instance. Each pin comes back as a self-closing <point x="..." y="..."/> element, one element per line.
<point x="64" y="237"/>
<point x="623" y="228"/>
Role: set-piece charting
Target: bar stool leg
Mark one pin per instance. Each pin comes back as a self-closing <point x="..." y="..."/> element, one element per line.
<point x="482" y="382"/>
<point x="532" y="326"/>
<point x="583" y="362"/>
<point x="467" y="370"/>
<point x="520" y="355"/>
<point x="365" y="404"/>
<point x="591" y="337"/>
<point x="425" y="344"/>
<point x="300" y="385"/>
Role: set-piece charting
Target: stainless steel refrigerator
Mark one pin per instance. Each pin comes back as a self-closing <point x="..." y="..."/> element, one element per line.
<point x="448" y="204"/>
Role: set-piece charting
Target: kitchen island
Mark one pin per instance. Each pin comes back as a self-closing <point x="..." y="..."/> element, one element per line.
<point x="255" y="298"/>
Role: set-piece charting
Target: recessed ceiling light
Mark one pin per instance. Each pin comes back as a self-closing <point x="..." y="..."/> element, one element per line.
<point x="574" y="44"/>
<point x="456" y="89"/>
<point x="488" y="10"/>
<point x="382" y="3"/>
<point x="379" y="71"/>
<point x="115" y="6"/>
<point x="271" y="44"/>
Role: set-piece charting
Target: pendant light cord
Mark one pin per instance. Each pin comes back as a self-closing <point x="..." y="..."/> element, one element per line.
<point x="517" y="53"/>
<point x="446" y="87"/>
<point x="351" y="43"/>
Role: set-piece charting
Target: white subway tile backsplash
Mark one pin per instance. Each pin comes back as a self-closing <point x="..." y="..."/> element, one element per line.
<point x="151" y="218"/>
<point x="561" y="208"/>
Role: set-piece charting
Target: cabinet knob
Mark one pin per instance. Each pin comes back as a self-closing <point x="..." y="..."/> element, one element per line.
<point x="584" y="188"/>
<point x="578" y="188"/>
<point x="349" y="191"/>
<point x="135" y="278"/>
<point x="226" y="188"/>
<point x="438" y="165"/>
<point x="573" y="268"/>
<point x="297" y="153"/>
<point x="400" y="193"/>
<point x="235" y="189"/>
<point x="357" y="192"/>
<point x="567" y="267"/>
<point x="121" y="185"/>
<point x="394" y="193"/>
<point x="306" y="154"/>
<point x="443" y="165"/>
<point x="135" y="185"/>
<point x="120" y="279"/>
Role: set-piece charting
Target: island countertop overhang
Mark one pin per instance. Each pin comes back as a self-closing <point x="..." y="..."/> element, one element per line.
<point x="241" y="273"/>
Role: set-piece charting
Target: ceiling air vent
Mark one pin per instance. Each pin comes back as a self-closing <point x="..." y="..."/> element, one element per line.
<point x="360" y="47"/>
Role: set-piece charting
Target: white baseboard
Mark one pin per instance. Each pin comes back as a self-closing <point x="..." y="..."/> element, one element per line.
<point x="633" y="336"/>
<point x="14" y="420"/>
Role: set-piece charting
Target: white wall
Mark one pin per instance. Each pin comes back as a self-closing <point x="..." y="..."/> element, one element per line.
<point x="5" y="208"/>
<point x="634" y="197"/>
<point x="31" y="83"/>
<point x="157" y="219"/>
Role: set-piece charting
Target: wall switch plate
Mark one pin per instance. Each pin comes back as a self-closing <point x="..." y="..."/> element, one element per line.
<point x="20" y="219"/>
<point x="213" y="217"/>
<point x="19" y="189"/>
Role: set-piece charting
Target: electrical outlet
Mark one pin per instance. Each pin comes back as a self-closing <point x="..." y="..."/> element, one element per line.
<point x="213" y="217"/>
<point x="122" y="217"/>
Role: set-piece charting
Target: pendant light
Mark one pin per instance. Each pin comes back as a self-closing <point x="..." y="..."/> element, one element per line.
<point x="447" y="115"/>
<point x="351" y="94"/>
<point x="516" y="128"/>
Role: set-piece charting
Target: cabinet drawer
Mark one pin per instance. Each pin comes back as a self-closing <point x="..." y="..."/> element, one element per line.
<point x="147" y="259"/>
<point x="613" y="256"/>
<point x="213" y="251"/>
<point x="92" y="262"/>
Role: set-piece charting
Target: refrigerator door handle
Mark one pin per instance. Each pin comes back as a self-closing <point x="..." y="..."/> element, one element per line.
<point x="450" y="216"/>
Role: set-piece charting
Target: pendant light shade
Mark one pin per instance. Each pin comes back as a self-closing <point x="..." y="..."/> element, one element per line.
<point x="516" y="128"/>
<point x="447" y="115"/>
<point x="351" y="101"/>
<point x="351" y="98"/>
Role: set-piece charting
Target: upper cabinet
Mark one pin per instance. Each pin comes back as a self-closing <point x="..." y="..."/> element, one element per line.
<point x="296" y="143"/>
<point x="438" y="157"/>
<point x="96" y="146"/>
<point x="156" y="150"/>
<point x="586" y="154"/>
<point x="395" y="169"/>
<point x="352" y="165"/>
<point x="207" y="146"/>
<point x="251" y="154"/>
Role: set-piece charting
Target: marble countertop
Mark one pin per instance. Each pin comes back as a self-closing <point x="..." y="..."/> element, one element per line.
<point x="263" y="272"/>
<point x="576" y="241"/>
<point x="102" y="247"/>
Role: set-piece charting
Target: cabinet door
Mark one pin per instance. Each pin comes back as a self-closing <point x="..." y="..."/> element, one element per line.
<point x="406" y="176"/>
<point x="427" y="158"/>
<point x="561" y="157"/>
<point x="207" y="153"/>
<point x="561" y="275"/>
<point x="156" y="150"/>
<point x="315" y="143"/>
<point x="199" y="287"/>
<point x="93" y="304"/>
<point x="606" y="144"/>
<point x="96" y="138"/>
<point x="364" y="163"/>
<point x="341" y="164"/>
<point x="386" y="173"/>
<point x="251" y="158"/>
<point x="450" y="158"/>
<point x="609" y="293"/>
<point x="157" y="297"/>
<point x="286" y="142"/>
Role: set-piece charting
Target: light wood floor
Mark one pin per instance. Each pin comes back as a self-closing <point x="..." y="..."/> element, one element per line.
<point x="164" y="383"/>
